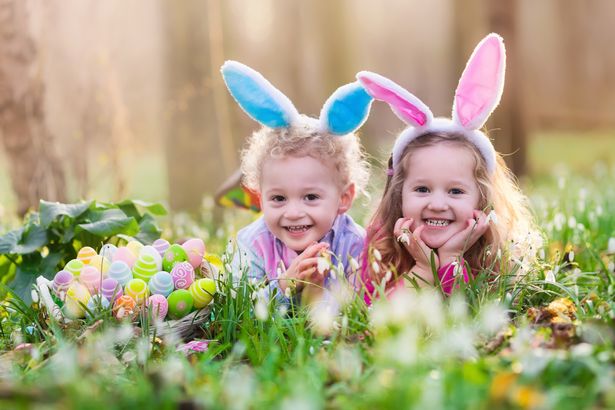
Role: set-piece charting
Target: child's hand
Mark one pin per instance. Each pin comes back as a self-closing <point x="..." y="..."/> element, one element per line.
<point x="416" y="247"/>
<point x="462" y="241"/>
<point x="305" y="268"/>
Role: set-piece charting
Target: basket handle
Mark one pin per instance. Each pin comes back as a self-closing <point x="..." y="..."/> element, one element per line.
<point x="43" y="286"/>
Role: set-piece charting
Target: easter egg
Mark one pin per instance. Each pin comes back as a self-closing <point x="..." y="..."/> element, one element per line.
<point x="183" y="275"/>
<point x="77" y="296"/>
<point x="101" y="263"/>
<point x="111" y="289"/>
<point x="125" y="307"/>
<point x="161" y="245"/>
<point x="161" y="283"/>
<point x="150" y="250"/>
<point x="144" y="268"/>
<point x="134" y="247"/>
<point x="108" y="250"/>
<point x="85" y="254"/>
<point x="91" y="278"/>
<point x="96" y="304"/>
<point x="61" y="282"/>
<point x="137" y="289"/>
<point x="202" y="292"/>
<point x="180" y="303"/>
<point x="74" y="266"/>
<point x="120" y="271"/>
<point x="175" y="254"/>
<point x="158" y="306"/>
<point x="124" y="254"/>
<point x="195" y="249"/>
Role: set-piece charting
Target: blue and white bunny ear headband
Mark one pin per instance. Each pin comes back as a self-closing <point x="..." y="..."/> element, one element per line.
<point x="478" y="93"/>
<point x="343" y="112"/>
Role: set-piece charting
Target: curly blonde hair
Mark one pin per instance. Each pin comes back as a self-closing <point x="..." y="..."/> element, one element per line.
<point x="498" y="191"/>
<point x="304" y="139"/>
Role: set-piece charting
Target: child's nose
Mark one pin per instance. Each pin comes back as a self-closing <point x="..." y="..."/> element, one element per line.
<point x="438" y="202"/>
<point x="294" y="211"/>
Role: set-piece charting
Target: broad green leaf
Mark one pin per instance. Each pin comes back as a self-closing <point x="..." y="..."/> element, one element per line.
<point x="153" y="207"/>
<point x="33" y="238"/>
<point x="25" y="277"/>
<point x="148" y="230"/>
<point x="111" y="226"/>
<point x="9" y="241"/>
<point x="49" y="211"/>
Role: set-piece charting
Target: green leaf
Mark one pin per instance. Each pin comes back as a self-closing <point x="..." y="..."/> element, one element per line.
<point x="109" y="223"/>
<point x="9" y="241"/>
<point x="153" y="207"/>
<point x="148" y="230"/>
<point x="25" y="276"/>
<point x="49" y="211"/>
<point x="23" y="240"/>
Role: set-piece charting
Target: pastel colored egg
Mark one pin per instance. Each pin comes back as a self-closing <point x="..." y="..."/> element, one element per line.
<point x="111" y="289"/>
<point x="96" y="304"/>
<point x="134" y="247"/>
<point x="137" y="289"/>
<point x="150" y="250"/>
<point x="144" y="268"/>
<point x="61" y="282"/>
<point x="183" y="275"/>
<point x="180" y="303"/>
<point x="77" y="296"/>
<point x="74" y="266"/>
<point x="195" y="248"/>
<point x="175" y="254"/>
<point x="161" y="283"/>
<point x="124" y="254"/>
<point x="85" y="254"/>
<point x="125" y="307"/>
<point x="91" y="278"/>
<point x="120" y="271"/>
<point x="108" y="250"/>
<point x="161" y="245"/>
<point x="158" y="306"/>
<point x="101" y="263"/>
<point x="202" y="292"/>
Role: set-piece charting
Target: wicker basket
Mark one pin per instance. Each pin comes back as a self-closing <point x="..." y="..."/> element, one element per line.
<point x="186" y="328"/>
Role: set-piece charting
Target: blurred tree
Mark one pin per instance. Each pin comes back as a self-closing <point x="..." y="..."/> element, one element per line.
<point x="197" y="153"/>
<point x="34" y="167"/>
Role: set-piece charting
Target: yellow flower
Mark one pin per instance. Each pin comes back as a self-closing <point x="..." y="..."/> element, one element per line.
<point x="527" y="397"/>
<point x="501" y="385"/>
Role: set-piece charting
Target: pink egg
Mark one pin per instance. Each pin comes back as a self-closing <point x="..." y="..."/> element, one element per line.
<point x="183" y="275"/>
<point x="91" y="278"/>
<point x="158" y="305"/>
<point x="124" y="254"/>
<point x="195" y="248"/>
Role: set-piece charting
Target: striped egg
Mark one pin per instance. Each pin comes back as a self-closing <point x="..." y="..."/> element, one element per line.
<point x="183" y="275"/>
<point x="202" y="292"/>
<point x="91" y="278"/>
<point x="180" y="303"/>
<point x="137" y="289"/>
<point x="61" y="282"/>
<point x="85" y="254"/>
<point x="111" y="289"/>
<point x="124" y="254"/>
<point x="74" y="266"/>
<point x="120" y="271"/>
<point x="158" y="306"/>
<point x="125" y="307"/>
<point x="161" y="283"/>
<point x="150" y="250"/>
<point x="101" y="263"/>
<point x="144" y="268"/>
<point x="161" y="245"/>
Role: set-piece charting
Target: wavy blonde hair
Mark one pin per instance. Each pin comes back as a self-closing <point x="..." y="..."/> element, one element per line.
<point x="344" y="152"/>
<point x="499" y="192"/>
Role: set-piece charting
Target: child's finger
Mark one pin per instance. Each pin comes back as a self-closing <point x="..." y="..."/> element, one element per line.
<point x="313" y="250"/>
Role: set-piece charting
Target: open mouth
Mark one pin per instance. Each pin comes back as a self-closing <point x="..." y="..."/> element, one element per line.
<point x="438" y="223"/>
<point x="297" y="228"/>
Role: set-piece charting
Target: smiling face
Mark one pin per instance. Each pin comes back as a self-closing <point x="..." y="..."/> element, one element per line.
<point x="300" y="199"/>
<point x="440" y="191"/>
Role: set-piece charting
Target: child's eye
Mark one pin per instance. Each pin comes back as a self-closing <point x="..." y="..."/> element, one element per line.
<point x="278" y="198"/>
<point x="456" y="191"/>
<point x="311" y="197"/>
<point x="422" y="189"/>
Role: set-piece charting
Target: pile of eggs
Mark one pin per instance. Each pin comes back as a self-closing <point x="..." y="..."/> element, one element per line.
<point x="159" y="277"/>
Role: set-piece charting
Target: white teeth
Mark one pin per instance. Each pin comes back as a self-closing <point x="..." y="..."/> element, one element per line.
<point x="298" y="228"/>
<point x="437" y="222"/>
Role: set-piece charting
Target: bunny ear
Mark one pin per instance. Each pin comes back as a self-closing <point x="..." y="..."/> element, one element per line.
<point x="481" y="84"/>
<point x="346" y="109"/>
<point x="406" y="106"/>
<point x="257" y="97"/>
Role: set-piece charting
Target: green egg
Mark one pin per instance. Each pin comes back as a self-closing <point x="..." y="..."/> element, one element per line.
<point x="173" y="255"/>
<point x="180" y="303"/>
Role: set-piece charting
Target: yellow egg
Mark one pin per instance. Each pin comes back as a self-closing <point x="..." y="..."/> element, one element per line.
<point x="77" y="296"/>
<point x="134" y="247"/>
<point x="101" y="263"/>
<point x="85" y="254"/>
<point x="202" y="292"/>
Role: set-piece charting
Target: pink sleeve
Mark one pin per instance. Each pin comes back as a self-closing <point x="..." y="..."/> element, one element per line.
<point x="446" y="274"/>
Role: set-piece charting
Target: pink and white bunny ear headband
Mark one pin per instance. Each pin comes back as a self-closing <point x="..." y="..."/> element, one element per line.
<point x="478" y="93"/>
<point x="343" y="112"/>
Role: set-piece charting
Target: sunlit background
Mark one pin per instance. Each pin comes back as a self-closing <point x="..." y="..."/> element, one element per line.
<point x="123" y="99"/>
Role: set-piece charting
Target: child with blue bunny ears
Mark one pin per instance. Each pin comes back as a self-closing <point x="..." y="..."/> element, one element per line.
<point x="306" y="172"/>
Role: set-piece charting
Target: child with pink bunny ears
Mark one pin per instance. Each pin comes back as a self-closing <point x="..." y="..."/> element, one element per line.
<point x="446" y="184"/>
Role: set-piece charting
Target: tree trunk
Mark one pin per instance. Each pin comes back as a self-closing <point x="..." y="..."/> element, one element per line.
<point x="34" y="167"/>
